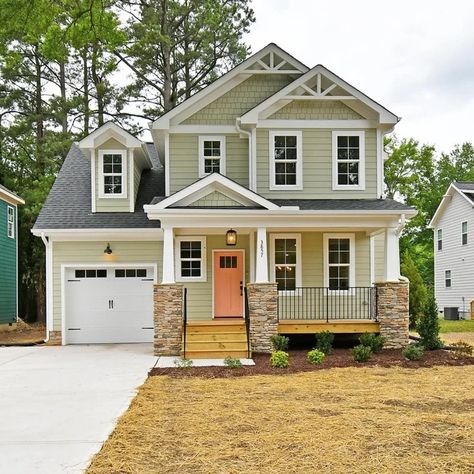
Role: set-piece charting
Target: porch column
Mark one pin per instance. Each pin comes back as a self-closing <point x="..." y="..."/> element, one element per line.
<point x="392" y="255"/>
<point x="168" y="256"/>
<point x="261" y="256"/>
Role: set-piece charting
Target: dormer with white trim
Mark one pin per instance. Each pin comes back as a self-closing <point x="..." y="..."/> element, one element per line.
<point x="117" y="161"/>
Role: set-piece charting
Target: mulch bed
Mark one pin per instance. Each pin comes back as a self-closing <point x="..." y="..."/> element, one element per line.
<point x="298" y="363"/>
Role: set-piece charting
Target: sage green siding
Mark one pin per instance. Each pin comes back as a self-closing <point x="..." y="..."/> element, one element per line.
<point x="324" y="110"/>
<point x="184" y="160"/>
<point x="240" y="99"/>
<point x="93" y="253"/>
<point x="317" y="167"/>
<point x="215" y="199"/>
<point x="8" y="277"/>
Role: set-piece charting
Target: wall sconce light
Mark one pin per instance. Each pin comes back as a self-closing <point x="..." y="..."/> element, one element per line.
<point x="231" y="237"/>
<point x="108" y="250"/>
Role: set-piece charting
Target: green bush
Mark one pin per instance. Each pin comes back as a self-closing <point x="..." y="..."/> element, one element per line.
<point x="324" y="342"/>
<point x="316" y="357"/>
<point x="183" y="363"/>
<point x="232" y="363"/>
<point x="361" y="353"/>
<point x="280" y="359"/>
<point x="374" y="341"/>
<point x="413" y="352"/>
<point x="279" y="343"/>
<point x="428" y="326"/>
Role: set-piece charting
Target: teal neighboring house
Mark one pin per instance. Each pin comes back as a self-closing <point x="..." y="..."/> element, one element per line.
<point x="9" y="202"/>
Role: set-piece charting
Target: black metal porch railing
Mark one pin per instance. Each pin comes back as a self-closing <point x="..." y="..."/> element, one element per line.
<point x="247" y="320"/>
<point x="324" y="304"/>
<point x="185" y="319"/>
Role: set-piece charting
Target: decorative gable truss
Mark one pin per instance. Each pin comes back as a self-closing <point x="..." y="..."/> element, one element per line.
<point x="273" y="63"/>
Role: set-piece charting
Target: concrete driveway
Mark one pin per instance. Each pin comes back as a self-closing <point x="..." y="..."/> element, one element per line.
<point x="59" y="404"/>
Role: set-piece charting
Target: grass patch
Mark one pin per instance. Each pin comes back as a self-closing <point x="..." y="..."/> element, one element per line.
<point x="456" y="326"/>
<point x="338" y="420"/>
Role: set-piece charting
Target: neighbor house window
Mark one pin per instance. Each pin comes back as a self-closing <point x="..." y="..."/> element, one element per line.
<point x="191" y="258"/>
<point x="447" y="278"/>
<point x="464" y="233"/>
<point x="286" y="160"/>
<point x="112" y="169"/>
<point x="10" y="222"/>
<point x="286" y="261"/>
<point x="348" y="160"/>
<point x="211" y="155"/>
<point x="339" y="261"/>
<point x="440" y="239"/>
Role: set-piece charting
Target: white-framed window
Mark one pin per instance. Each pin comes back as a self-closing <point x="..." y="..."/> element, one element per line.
<point x="10" y="222"/>
<point x="285" y="257"/>
<point x="286" y="160"/>
<point x="112" y="173"/>
<point x="339" y="261"/>
<point x="348" y="160"/>
<point x="447" y="279"/>
<point x="190" y="255"/>
<point x="439" y="239"/>
<point x="464" y="233"/>
<point x="211" y="155"/>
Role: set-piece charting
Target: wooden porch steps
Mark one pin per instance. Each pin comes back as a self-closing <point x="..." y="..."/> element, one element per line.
<point x="216" y="339"/>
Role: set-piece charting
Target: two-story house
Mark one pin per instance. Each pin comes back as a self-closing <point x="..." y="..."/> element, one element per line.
<point x="9" y="203"/>
<point x="452" y="225"/>
<point x="257" y="209"/>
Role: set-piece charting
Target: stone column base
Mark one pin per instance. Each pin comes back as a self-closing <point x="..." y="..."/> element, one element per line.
<point x="168" y="319"/>
<point x="392" y="312"/>
<point x="55" y="338"/>
<point x="263" y="307"/>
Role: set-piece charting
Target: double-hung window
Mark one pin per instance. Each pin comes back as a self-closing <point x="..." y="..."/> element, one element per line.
<point x="439" y="238"/>
<point x="190" y="258"/>
<point x="286" y="160"/>
<point x="285" y="251"/>
<point x="464" y="233"/>
<point x="10" y="222"/>
<point x="348" y="160"/>
<point x="211" y="155"/>
<point x="447" y="279"/>
<point x="339" y="261"/>
<point x="112" y="169"/>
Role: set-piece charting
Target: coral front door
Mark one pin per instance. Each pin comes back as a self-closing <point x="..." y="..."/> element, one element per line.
<point x="228" y="284"/>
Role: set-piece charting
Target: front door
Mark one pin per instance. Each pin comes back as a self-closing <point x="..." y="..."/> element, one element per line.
<point x="228" y="284"/>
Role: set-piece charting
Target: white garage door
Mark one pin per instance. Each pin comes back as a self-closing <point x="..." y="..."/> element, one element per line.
<point x="109" y="305"/>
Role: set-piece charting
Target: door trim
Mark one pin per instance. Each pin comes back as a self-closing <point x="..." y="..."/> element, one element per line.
<point x="66" y="266"/>
<point x="242" y="251"/>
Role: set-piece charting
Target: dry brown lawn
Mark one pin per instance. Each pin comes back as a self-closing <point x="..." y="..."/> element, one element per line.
<point x="350" y="420"/>
<point x="453" y="337"/>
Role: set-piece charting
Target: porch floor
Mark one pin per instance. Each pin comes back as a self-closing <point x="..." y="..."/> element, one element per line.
<point x="346" y="326"/>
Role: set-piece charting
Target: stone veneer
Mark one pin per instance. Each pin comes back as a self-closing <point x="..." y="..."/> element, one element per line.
<point x="55" y="338"/>
<point x="392" y="312"/>
<point x="263" y="304"/>
<point x="168" y="319"/>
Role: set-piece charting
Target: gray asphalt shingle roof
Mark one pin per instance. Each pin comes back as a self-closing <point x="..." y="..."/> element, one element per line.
<point x="344" y="204"/>
<point x="464" y="185"/>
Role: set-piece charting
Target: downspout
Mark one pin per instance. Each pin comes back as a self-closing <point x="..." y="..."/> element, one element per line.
<point x="249" y="136"/>
<point x="46" y="245"/>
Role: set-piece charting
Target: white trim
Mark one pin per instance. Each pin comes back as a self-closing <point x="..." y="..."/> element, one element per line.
<point x="252" y="256"/>
<point x="8" y="196"/>
<point x="299" y="160"/>
<point x="93" y="181"/>
<point x="352" y="263"/>
<point x="299" y="124"/>
<point x="190" y="238"/>
<point x="380" y="163"/>
<point x="446" y="198"/>
<point x="49" y="287"/>
<point x="253" y="162"/>
<point x="107" y="131"/>
<point x="79" y="235"/>
<point x="16" y="258"/>
<point x="124" y="174"/>
<point x="229" y="250"/>
<point x="298" y="265"/>
<point x="201" y="158"/>
<point x="65" y="266"/>
<point x="348" y="187"/>
<point x="167" y="165"/>
<point x="11" y="235"/>
<point x="131" y="173"/>
<point x="372" y="258"/>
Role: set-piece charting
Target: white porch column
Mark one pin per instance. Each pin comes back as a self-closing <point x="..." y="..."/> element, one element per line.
<point x="168" y="256"/>
<point x="261" y="254"/>
<point x="392" y="255"/>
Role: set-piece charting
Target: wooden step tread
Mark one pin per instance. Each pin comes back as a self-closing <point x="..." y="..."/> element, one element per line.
<point x="216" y="354"/>
<point x="218" y="322"/>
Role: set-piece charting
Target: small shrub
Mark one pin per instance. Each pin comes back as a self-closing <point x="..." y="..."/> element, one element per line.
<point x="280" y="359"/>
<point x="361" y="353"/>
<point x="232" y="363"/>
<point x="279" y="343"/>
<point x="316" y="357"/>
<point x="461" y="350"/>
<point x="324" y="342"/>
<point x="428" y="326"/>
<point x="183" y="363"/>
<point x="413" y="352"/>
<point x="374" y="341"/>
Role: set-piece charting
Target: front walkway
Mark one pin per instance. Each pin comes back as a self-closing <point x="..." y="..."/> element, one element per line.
<point x="59" y="404"/>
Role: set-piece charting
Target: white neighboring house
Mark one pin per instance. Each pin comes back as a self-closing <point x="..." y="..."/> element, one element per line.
<point x="453" y="226"/>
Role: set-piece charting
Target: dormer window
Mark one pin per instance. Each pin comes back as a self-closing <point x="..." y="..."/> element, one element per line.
<point x="348" y="160"/>
<point x="112" y="172"/>
<point x="211" y="155"/>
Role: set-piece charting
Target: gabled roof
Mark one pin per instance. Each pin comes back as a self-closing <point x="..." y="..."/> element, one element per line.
<point x="107" y="131"/>
<point x="271" y="59"/>
<point x="319" y="83"/>
<point x="10" y="196"/>
<point x="464" y="189"/>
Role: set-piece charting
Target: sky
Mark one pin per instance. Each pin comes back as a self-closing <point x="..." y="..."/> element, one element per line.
<point x="414" y="57"/>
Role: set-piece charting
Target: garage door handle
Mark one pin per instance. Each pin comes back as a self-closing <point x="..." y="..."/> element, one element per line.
<point x="111" y="304"/>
